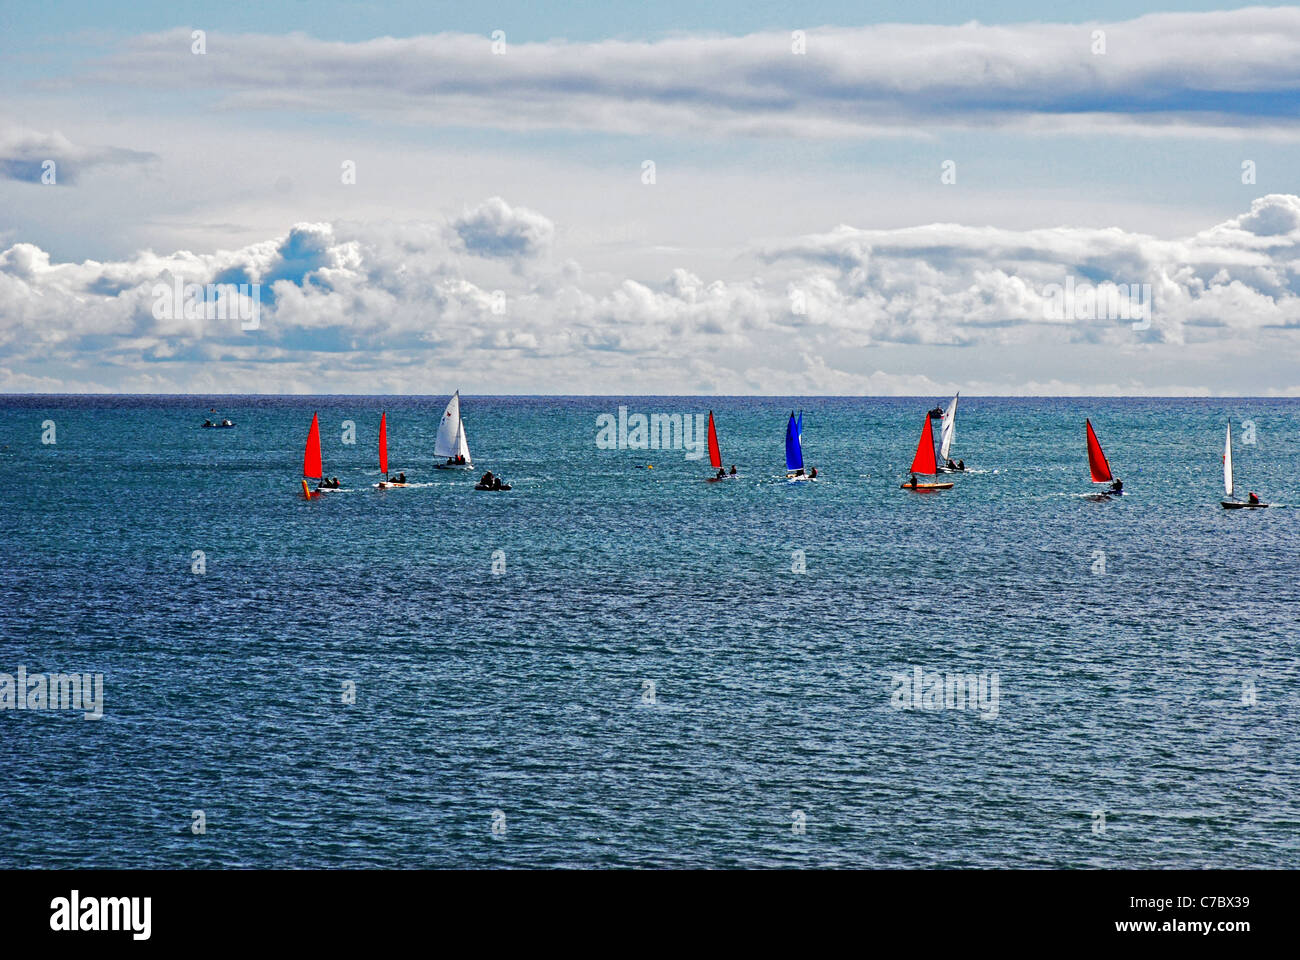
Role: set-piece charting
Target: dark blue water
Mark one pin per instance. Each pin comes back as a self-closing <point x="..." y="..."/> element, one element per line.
<point x="1162" y="691"/>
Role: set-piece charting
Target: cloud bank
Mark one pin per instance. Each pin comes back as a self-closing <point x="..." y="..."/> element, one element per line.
<point x="375" y="306"/>
<point x="1225" y="70"/>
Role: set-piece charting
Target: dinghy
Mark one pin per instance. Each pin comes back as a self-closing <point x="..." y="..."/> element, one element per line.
<point x="715" y="454"/>
<point x="383" y="455"/>
<point x="311" y="460"/>
<point x="451" y="438"/>
<point x="794" y="450"/>
<point x="1227" y="478"/>
<point x="1099" y="466"/>
<point x="947" y="433"/>
<point x="924" y="462"/>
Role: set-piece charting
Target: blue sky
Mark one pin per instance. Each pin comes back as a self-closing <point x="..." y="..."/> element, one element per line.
<point x="778" y="178"/>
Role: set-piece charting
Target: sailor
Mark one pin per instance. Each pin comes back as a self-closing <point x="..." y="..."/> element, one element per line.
<point x="401" y="478"/>
<point x="912" y="483"/>
<point x="951" y="465"/>
<point x="1253" y="500"/>
<point x="961" y="464"/>
<point x="486" y="479"/>
<point x="1117" y="486"/>
<point x="733" y="469"/>
<point x="207" y="423"/>
<point x="813" y="474"/>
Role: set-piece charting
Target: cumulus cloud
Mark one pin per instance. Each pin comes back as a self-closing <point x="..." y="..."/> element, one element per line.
<point x="1227" y="69"/>
<point x="495" y="229"/>
<point x="27" y="155"/>
<point x="363" y="304"/>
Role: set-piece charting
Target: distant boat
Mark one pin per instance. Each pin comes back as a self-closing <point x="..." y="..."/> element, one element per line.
<point x="223" y="425"/>
<point x="715" y="453"/>
<point x="1098" y="465"/>
<point x="311" y="460"/>
<point x="451" y="438"/>
<point x="947" y="433"/>
<point x="794" y="449"/>
<point x="1227" y="478"/>
<point x="383" y="454"/>
<point x="924" y="461"/>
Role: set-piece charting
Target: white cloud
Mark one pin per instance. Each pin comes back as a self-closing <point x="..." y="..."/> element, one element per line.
<point x="31" y="155"/>
<point x="371" y="306"/>
<point x="1160" y="72"/>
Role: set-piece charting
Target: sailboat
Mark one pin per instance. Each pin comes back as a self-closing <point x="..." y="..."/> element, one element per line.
<point x="715" y="454"/>
<point x="383" y="456"/>
<point x="947" y="433"/>
<point x="1098" y="465"/>
<point x="794" y="450"/>
<point x="311" y="460"/>
<point x="1227" y="477"/>
<point x="924" y="461"/>
<point x="451" y="438"/>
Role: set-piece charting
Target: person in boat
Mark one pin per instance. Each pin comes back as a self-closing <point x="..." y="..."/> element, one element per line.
<point x="1253" y="500"/>
<point x="401" y="478"/>
<point x="486" y="479"/>
<point x="733" y="469"/>
<point x="721" y="474"/>
<point x="912" y="483"/>
<point x="496" y="483"/>
<point x="812" y="474"/>
<point x="207" y="423"/>
<point x="961" y="465"/>
<point x="950" y="465"/>
<point x="1117" y="486"/>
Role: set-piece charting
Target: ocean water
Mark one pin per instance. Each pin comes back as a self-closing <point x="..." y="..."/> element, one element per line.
<point x="649" y="682"/>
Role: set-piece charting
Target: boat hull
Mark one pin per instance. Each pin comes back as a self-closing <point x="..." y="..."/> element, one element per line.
<point x="479" y="486"/>
<point x="453" y="466"/>
<point x="926" y="486"/>
<point x="1235" y="505"/>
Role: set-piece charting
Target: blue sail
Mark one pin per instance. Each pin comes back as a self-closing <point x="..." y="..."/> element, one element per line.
<point x="793" y="449"/>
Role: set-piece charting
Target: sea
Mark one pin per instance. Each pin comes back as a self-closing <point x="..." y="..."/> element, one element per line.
<point x="618" y="665"/>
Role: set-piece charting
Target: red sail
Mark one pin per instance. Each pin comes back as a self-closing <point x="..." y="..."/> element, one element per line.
<point x="311" y="468"/>
<point x="923" y="462"/>
<point x="715" y="454"/>
<point x="383" y="443"/>
<point x="1096" y="459"/>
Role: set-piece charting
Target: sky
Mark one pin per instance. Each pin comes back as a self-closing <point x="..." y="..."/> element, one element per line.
<point x="675" y="198"/>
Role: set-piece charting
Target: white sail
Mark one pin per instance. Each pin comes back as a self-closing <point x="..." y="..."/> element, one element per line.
<point x="948" y="429"/>
<point x="445" y="445"/>
<point x="462" y="448"/>
<point x="1227" y="461"/>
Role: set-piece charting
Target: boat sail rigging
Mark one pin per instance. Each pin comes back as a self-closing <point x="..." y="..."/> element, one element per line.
<point x="312" y="468"/>
<point x="451" y="441"/>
